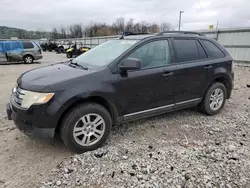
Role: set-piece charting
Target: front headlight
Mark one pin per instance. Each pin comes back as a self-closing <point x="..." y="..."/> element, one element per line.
<point x="31" y="98"/>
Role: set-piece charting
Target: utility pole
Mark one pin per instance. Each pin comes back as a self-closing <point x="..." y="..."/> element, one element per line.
<point x="180" y="20"/>
<point x="217" y="30"/>
<point x="217" y="25"/>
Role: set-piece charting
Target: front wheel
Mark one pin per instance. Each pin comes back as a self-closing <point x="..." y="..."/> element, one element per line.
<point x="214" y="99"/>
<point x="86" y="127"/>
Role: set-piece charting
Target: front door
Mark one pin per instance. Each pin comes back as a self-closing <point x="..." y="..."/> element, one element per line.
<point x="154" y="85"/>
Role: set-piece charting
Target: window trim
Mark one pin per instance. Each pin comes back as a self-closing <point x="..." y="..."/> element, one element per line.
<point x="209" y="57"/>
<point x="115" y="70"/>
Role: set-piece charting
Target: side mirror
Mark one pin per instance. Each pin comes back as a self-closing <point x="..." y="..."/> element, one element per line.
<point x="131" y="64"/>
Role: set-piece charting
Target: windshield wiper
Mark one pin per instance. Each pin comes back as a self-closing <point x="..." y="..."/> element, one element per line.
<point x="78" y="65"/>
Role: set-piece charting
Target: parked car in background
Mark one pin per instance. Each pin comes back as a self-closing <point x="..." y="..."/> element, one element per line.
<point x="48" y="46"/>
<point x="26" y="51"/>
<point x="122" y="80"/>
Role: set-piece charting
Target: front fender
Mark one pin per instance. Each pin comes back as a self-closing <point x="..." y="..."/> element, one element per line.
<point x="85" y="97"/>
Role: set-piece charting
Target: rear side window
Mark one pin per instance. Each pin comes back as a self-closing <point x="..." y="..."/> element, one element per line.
<point x="186" y="50"/>
<point x="28" y="45"/>
<point x="213" y="51"/>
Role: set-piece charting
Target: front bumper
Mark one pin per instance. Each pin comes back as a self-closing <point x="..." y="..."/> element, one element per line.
<point x="30" y="123"/>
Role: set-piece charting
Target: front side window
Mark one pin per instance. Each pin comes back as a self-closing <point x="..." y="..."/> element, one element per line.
<point x="213" y="51"/>
<point x="104" y="53"/>
<point x="186" y="50"/>
<point x="153" y="54"/>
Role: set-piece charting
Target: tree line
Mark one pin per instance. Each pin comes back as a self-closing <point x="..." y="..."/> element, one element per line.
<point x="94" y="29"/>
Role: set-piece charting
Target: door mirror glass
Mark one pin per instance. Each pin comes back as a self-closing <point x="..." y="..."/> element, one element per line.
<point x="131" y="64"/>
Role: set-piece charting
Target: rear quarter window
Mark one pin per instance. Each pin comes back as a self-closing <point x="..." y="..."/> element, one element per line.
<point x="28" y="45"/>
<point x="213" y="51"/>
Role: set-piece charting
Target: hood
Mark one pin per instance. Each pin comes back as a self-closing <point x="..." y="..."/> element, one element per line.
<point x="40" y="78"/>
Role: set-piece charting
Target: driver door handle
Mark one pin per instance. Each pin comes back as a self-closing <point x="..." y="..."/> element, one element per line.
<point x="208" y="67"/>
<point x="167" y="74"/>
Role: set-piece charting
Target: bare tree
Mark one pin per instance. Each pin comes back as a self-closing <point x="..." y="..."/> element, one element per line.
<point x="102" y="29"/>
<point x="76" y="31"/>
<point x="153" y="28"/>
<point x="119" y="25"/>
<point x="129" y="27"/>
<point x="165" y="26"/>
<point x="55" y="34"/>
<point x="63" y="32"/>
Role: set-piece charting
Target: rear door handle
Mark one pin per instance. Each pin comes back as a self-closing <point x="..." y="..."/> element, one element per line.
<point x="166" y="74"/>
<point x="208" y="67"/>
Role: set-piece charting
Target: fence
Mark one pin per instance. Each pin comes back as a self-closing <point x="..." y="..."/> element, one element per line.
<point x="236" y="41"/>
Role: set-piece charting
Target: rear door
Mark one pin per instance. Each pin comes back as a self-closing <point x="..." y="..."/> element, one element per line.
<point x="29" y="48"/>
<point x="193" y="70"/>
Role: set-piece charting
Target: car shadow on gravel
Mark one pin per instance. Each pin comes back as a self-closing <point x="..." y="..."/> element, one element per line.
<point x="118" y="131"/>
<point x="189" y="111"/>
<point x="18" y="63"/>
<point x="170" y="122"/>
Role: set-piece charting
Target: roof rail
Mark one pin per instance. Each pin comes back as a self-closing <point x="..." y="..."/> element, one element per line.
<point x="181" y="32"/>
<point x="131" y="33"/>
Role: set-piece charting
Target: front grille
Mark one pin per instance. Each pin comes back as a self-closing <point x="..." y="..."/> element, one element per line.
<point x="18" y="95"/>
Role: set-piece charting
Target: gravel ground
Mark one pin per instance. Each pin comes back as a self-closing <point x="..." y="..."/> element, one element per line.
<point x="180" y="149"/>
<point x="21" y="158"/>
<point x="183" y="149"/>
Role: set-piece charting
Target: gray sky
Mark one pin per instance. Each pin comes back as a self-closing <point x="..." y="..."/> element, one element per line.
<point x="199" y="14"/>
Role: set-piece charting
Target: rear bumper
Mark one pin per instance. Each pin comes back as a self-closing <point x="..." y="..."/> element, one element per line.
<point x="30" y="124"/>
<point x="232" y="85"/>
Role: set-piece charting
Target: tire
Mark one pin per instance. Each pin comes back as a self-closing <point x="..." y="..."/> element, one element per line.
<point x="28" y="59"/>
<point x="85" y="132"/>
<point x="213" y="107"/>
<point x="69" y="55"/>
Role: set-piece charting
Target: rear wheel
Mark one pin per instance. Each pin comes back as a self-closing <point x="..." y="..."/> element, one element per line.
<point x="214" y="99"/>
<point x="28" y="59"/>
<point x="86" y="127"/>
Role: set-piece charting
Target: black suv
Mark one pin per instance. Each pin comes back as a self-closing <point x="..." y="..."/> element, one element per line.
<point x="118" y="81"/>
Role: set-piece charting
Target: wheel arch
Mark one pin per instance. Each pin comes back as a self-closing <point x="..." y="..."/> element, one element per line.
<point x="28" y="54"/>
<point x="108" y="105"/>
<point x="225" y="80"/>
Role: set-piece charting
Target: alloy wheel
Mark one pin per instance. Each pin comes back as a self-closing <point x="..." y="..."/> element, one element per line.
<point x="89" y="129"/>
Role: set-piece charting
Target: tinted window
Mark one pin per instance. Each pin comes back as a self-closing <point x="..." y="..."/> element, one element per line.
<point x="153" y="54"/>
<point x="186" y="50"/>
<point x="201" y="51"/>
<point x="213" y="51"/>
<point x="27" y="45"/>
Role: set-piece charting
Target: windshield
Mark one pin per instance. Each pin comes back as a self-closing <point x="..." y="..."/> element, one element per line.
<point x="104" y="53"/>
